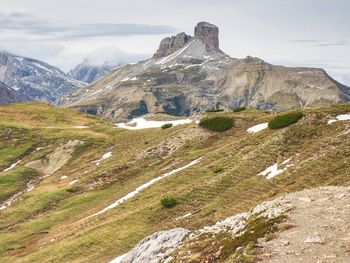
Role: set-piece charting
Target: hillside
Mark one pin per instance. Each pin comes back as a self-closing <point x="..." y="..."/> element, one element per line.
<point x="9" y="95"/>
<point x="35" y="79"/>
<point x="188" y="75"/>
<point x="79" y="189"/>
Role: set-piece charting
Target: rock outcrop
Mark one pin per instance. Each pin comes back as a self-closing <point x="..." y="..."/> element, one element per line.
<point x="171" y="44"/>
<point x="208" y="33"/>
<point x="311" y="226"/>
<point x="188" y="76"/>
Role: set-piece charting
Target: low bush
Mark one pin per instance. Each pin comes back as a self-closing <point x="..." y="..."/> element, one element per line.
<point x="166" y="126"/>
<point x="217" y="123"/>
<point x="168" y="202"/>
<point x="285" y="120"/>
<point x="217" y="169"/>
<point x="215" y="110"/>
<point x="239" y="109"/>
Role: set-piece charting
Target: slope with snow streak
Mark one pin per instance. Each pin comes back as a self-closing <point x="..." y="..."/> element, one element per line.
<point x="342" y="117"/>
<point x="104" y="157"/>
<point x="142" y="187"/>
<point x="257" y="128"/>
<point x="271" y="171"/>
<point x="141" y="123"/>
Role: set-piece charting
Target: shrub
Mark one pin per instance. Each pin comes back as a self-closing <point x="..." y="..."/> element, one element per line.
<point x="285" y="120"/>
<point x="168" y="202"/>
<point x="166" y="126"/>
<point x="217" y="169"/>
<point x="215" y="110"/>
<point x="217" y="123"/>
<point x="239" y="109"/>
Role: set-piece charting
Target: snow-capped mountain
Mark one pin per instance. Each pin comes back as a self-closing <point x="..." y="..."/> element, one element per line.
<point x="35" y="79"/>
<point x="9" y="95"/>
<point x="88" y="73"/>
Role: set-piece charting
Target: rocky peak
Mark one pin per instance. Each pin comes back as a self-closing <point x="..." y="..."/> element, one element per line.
<point x="170" y="44"/>
<point x="208" y="33"/>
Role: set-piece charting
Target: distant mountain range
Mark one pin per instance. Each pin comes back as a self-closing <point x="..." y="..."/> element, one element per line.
<point x="88" y="73"/>
<point x="35" y="79"/>
<point x="9" y="95"/>
<point x="188" y="75"/>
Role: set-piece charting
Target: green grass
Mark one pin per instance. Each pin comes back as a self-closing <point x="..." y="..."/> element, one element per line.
<point x="239" y="109"/>
<point x="53" y="209"/>
<point x="215" y="110"/>
<point x="167" y="126"/>
<point x="13" y="180"/>
<point x="168" y="202"/>
<point x="217" y="169"/>
<point x="218" y="123"/>
<point x="285" y="120"/>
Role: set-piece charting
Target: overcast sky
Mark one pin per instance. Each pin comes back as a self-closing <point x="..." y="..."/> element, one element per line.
<point x="288" y="32"/>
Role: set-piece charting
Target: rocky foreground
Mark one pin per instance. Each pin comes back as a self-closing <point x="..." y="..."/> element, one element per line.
<point x="307" y="226"/>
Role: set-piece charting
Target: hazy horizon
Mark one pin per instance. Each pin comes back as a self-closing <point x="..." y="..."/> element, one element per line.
<point x="291" y="33"/>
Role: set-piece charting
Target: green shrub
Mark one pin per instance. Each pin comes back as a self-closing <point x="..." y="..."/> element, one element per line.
<point x="215" y="110"/>
<point x="166" y="126"/>
<point x="168" y="202"/>
<point x="285" y="120"/>
<point x="217" y="169"/>
<point x="217" y="123"/>
<point x="239" y="109"/>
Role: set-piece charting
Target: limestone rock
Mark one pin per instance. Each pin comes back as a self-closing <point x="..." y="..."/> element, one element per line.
<point x="208" y="33"/>
<point x="171" y="44"/>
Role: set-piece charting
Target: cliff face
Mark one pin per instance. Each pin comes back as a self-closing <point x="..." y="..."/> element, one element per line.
<point x="208" y="33"/>
<point x="171" y="44"/>
<point x="9" y="95"/>
<point x="190" y="75"/>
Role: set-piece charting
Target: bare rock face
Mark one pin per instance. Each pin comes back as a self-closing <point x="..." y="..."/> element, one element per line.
<point x="9" y="95"/>
<point x="208" y="33"/>
<point x="170" y="44"/>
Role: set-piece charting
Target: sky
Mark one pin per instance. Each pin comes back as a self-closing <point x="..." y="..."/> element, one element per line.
<point x="312" y="33"/>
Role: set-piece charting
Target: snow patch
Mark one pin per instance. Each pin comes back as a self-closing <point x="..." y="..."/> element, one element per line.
<point x="144" y="186"/>
<point x="104" y="157"/>
<point x="80" y="127"/>
<point x="342" y="117"/>
<point x="271" y="171"/>
<point x="141" y="123"/>
<point x="184" y="216"/>
<point x="257" y="128"/>
<point x="12" y="166"/>
<point x="74" y="181"/>
<point x="64" y="177"/>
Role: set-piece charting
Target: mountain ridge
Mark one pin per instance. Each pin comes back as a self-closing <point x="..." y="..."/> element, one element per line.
<point x="34" y="78"/>
<point x="188" y="75"/>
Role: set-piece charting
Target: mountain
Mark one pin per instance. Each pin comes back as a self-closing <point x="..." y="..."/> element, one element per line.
<point x="88" y="73"/>
<point x="9" y="95"/>
<point x="35" y="79"/>
<point x="188" y="75"/>
<point x="76" y="188"/>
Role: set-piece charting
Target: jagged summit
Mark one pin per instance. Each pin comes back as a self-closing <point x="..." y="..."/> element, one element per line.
<point x="188" y="75"/>
<point x="208" y="33"/>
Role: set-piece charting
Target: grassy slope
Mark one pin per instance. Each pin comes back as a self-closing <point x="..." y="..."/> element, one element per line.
<point x="44" y="225"/>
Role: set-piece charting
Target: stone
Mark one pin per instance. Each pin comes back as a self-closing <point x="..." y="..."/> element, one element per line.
<point x="208" y="33"/>
<point x="171" y="44"/>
